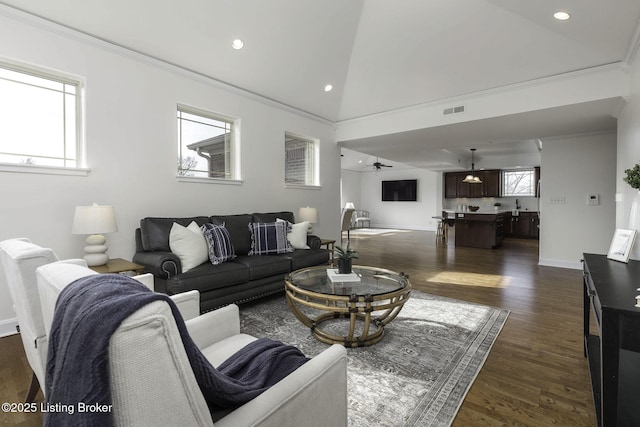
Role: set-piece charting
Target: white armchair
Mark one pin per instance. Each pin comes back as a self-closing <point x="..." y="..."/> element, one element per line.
<point x="152" y="382"/>
<point x="20" y="258"/>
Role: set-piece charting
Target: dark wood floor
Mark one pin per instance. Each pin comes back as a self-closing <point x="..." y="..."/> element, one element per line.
<point x="536" y="374"/>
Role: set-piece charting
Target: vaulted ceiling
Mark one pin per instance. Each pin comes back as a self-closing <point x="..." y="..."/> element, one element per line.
<point x="380" y="56"/>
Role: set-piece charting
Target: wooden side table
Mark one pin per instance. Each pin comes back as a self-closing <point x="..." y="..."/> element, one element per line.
<point x="118" y="265"/>
<point x="329" y="244"/>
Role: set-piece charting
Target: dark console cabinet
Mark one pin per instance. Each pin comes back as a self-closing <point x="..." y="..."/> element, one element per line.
<point x="613" y="350"/>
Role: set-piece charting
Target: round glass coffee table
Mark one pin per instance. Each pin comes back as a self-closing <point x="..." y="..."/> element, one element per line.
<point x="369" y="298"/>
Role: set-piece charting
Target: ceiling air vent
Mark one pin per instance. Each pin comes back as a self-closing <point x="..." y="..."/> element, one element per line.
<point x="453" y="110"/>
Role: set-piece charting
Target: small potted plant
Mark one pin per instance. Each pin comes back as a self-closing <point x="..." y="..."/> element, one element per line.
<point x="345" y="257"/>
<point x="632" y="176"/>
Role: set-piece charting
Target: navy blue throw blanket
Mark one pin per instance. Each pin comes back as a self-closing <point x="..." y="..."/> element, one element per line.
<point x="87" y="313"/>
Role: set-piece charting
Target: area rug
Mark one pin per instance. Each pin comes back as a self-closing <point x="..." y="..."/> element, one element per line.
<point x="418" y="375"/>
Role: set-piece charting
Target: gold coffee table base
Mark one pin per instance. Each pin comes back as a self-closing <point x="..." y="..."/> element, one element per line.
<point x="364" y="329"/>
<point x="350" y="340"/>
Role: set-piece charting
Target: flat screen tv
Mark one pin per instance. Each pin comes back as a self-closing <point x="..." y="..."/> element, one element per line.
<point x="405" y="190"/>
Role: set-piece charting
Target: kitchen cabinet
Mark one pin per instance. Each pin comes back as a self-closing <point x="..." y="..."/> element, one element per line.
<point x="451" y="185"/>
<point x="524" y="225"/>
<point x="455" y="188"/>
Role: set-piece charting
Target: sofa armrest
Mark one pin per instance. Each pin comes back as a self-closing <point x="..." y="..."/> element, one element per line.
<point x="315" y="394"/>
<point x="214" y="326"/>
<point x="160" y="264"/>
<point x="313" y="241"/>
<point x="188" y="303"/>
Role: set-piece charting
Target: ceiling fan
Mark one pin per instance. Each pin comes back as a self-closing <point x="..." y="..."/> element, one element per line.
<point x="377" y="165"/>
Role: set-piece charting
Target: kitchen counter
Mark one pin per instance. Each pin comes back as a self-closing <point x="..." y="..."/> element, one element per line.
<point x="486" y="212"/>
<point x="481" y="229"/>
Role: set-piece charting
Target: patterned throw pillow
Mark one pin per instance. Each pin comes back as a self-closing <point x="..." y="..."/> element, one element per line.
<point x="270" y="238"/>
<point x="219" y="242"/>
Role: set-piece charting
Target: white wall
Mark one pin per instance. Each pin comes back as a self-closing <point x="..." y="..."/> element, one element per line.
<point x="401" y="215"/>
<point x="350" y="188"/>
<point x="132" y="149"/>
<point x="628" y="156"/>
<point x="573" y="167"/>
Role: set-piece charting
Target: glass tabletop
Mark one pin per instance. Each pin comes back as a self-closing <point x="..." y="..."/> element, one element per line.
<point x="363" y="281"/>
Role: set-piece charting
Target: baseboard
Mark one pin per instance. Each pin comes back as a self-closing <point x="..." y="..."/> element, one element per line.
<point x="560" y="263"/>
<point x="8" y="327"/>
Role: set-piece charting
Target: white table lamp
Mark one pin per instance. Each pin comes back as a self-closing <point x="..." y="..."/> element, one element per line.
<point x="94" y="220"/>
<point x="308" y="214"/>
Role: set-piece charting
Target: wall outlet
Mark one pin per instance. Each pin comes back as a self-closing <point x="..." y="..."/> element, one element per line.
<point x="557" y="200"/>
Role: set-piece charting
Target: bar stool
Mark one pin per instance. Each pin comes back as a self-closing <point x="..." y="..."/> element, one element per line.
<point x="441" y="231"/>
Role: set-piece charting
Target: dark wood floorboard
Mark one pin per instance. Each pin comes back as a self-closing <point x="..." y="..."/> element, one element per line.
<point x="536" y="374"/>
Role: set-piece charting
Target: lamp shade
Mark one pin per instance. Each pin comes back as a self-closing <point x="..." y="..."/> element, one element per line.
<point x="94" y="219"/>
<point x="349" y="205"/>
<point x="308" y="214"/>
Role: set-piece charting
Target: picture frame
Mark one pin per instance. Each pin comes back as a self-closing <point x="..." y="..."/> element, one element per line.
<point x="621" y="244"/>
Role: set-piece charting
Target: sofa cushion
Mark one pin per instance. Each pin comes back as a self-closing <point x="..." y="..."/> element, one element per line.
<point x="155" y="231"/>
<point x="273" y="216"/>
<point x="307" y="258"/>
<point x="189" y="245"/>
<point x="219" y="243"/>
<point x="208" y="276"/>
<point x="264" y="266"/>
<point x="270" y="238"/>
<point x="237" y="226"/>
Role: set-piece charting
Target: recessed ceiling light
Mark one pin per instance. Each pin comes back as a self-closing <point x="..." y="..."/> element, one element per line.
<point x="328" y="88"/>
<point x="561" y="16"/>
<point x="237" y="44"/>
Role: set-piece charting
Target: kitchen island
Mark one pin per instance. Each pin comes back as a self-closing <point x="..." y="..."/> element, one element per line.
<point x="480" y="229"/>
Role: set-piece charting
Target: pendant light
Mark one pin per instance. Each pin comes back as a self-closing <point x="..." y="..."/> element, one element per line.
<point x="471" y="179"/>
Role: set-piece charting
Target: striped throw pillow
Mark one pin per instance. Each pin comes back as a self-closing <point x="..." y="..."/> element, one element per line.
<point x="219" y="243"/>
<point x="270" y="238"/>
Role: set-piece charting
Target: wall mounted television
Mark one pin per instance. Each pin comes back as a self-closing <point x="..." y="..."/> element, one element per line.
<point x="405" y="190"/>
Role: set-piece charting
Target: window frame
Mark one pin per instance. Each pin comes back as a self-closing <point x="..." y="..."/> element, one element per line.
<point x="315" y="173"/>
<point x="503" y="179"/>
<point x="234" y="147"/>
<point x="80" y="168"/>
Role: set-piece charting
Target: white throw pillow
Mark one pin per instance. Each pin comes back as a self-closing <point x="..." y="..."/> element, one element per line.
<point x="298" y="235"/>
<point x="189" y="244"/>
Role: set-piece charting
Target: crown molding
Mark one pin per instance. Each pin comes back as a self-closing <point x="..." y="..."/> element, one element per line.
<point x="76" y="35"/>
<point x="632" y="49"/>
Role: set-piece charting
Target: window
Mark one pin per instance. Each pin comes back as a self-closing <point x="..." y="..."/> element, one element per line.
<point x="206" y="144"/>
<point x="518" y="183"/>
<point x="301" y="159"/>
<point x="40" y="116"/>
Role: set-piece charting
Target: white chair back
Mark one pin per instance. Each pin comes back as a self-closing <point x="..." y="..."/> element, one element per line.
<point x="20" y="259"/>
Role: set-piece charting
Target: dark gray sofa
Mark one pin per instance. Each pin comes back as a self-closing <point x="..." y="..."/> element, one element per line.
<point x="243" y="279"/>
